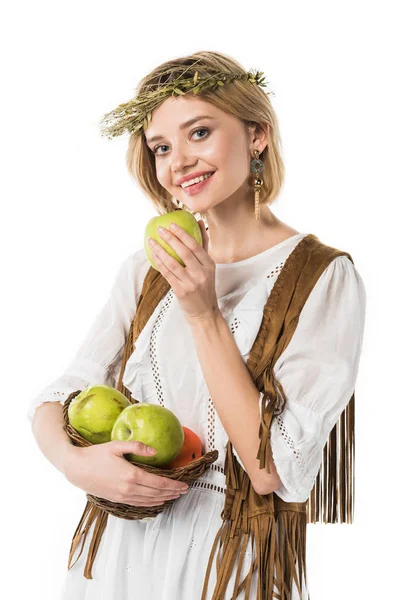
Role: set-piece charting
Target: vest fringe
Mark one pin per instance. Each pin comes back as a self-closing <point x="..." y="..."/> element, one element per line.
<point x="244" y="518"/>
<point x="91" y="514"/>
<point x="332" y="497"/>
<point x="280" y="545"/>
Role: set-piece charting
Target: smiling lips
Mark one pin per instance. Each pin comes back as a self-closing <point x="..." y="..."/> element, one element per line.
<point x="195" y="180"/>
<point x="193" y="186"/>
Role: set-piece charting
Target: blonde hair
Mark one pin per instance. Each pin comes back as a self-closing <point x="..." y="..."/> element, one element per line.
<point x="241" y="99"/>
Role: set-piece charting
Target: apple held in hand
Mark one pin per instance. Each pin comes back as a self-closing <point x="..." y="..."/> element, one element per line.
<point x="191" y="450"/>
<point x="94" y="411"/>
<point x="184" y="219"/>
<point x="153" y="425"/>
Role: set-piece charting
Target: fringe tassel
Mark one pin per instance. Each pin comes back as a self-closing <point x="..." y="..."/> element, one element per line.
<point x="247" y="515"/>
<point x="101" y="523"/>
<point x="332" y="497"/>
<point x="264" y="454"/>
<point x="230" y="468"/>
<point x="274" y="393"/>
<point x="290" y="554"/>
<point x="285" y="555"/>
<point x="91" y="514"/>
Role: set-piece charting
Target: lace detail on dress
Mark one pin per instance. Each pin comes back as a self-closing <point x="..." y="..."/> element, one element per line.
<point x="57" y="391"/>
<point x="211" y="407"/>
<point x="207" y="485"/>
<point x="65" y="384"/>
<point x="234" y="325"/>
<point x="153" y="345"/>
<point x="210" y="425"/>
<point x="290" y="442"/>
<point x="276" y="271"/>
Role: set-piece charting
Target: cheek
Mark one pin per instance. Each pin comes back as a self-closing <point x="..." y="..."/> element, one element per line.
<point x="217" y="151"/>
<point x="163" y="175"/>
<point x="227" y="153"/>
<point x="238" y="163"/>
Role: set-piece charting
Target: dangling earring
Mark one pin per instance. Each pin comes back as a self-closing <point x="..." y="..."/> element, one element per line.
<point x="181" y="205"/>
<point x="177" y="202"/>
<point x="257" y="167"/>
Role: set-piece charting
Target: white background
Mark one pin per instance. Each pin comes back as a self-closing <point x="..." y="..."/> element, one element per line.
<point x="71" y="214"/>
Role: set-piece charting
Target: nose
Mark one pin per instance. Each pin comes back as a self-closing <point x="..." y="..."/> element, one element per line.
<point x="181" y="159"/>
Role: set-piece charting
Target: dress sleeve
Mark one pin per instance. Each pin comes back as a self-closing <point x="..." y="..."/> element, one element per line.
<point x="99" y="356"/>
<point x="318" y="372"/>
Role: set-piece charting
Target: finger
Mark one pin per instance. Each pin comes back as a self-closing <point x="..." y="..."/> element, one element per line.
<point x="144" y="493"/>
<point x="185" y="254"/>
<point x="136" y="500"/>
<point x="133" y="502"/>
<point x="190" y="250"/>
<point x="171" y="269"/>
<point x="169" y="262"/>
<point x="160" y="256"/>
<point x="153" y="498"/>
<point x="154" y="253"/>
<point x="147" y="505"/>
<point x="165" y="484"/>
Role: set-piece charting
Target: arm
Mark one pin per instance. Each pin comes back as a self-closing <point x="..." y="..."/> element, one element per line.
<point x="318" y="372"/>
<point x="53" y="441"/>
<point x="101" y="472"/>
<point x="96" y="359"/>
<point x="235" y="396"/>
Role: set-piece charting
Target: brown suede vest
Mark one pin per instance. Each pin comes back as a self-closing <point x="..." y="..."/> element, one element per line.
<point x="278" y="528"/>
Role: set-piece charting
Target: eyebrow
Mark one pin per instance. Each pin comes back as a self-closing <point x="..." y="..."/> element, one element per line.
<point x="183" y="126"/>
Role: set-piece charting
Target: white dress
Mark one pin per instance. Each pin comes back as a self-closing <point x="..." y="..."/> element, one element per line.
<point x="165" y="557"/>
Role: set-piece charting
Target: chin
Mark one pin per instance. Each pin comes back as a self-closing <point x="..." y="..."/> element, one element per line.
<point x="200" y="208"/>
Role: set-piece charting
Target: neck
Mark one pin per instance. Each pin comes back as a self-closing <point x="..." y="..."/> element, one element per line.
<point x="235" y="234"/>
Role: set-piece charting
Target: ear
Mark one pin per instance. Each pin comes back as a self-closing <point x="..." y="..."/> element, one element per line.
<point x="259" y="134"/>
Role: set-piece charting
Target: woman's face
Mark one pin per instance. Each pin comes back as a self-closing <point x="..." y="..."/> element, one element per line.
<point x="217" y="142"/>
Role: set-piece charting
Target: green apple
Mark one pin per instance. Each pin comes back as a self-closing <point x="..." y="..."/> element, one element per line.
<point x="184" y="219"/>
<point x="94" y="411"/>
<point x="153" y="425"/>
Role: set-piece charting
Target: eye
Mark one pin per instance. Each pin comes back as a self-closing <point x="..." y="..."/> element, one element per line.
<point x="157" y="147"/>
<point x="165" y="146"/>
<point x="201" y="129"/>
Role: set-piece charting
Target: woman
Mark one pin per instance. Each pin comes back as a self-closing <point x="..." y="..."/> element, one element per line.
<point x="190" y="357"/>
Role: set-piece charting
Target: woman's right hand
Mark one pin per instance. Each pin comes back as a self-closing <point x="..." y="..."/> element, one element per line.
<point x="101" y="470"/>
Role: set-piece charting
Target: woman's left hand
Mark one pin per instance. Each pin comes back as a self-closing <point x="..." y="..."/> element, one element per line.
<point x="194" y="284"/>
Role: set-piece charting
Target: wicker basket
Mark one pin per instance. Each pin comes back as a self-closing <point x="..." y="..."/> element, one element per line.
<point x="187" y="474"/>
